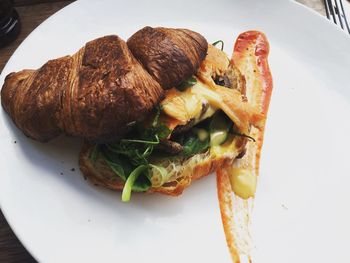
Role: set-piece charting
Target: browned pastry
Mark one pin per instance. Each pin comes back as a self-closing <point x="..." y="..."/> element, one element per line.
<point x="101" y="174"/>
<point x="97" y="93"/>
<point x="154" y="48"/>
<point x="100" y="92"/>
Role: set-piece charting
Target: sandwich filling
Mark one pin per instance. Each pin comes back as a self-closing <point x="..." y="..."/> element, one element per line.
<point x="205" y="118"/>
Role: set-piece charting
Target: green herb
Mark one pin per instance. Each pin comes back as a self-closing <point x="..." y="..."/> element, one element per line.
<point x="219" y="42"/>
<point x="157" y="128"/>
<point x="118" y="169"/>
<point x="187" y="83"/>
<point x="136" y="153"/>
<point x="116" y="161"/>
<point x="129" y="157"/>
<point x="126" y="194"/>
<point x="191" y="141"/>
<point x="118" y="166"/>
<point x="162" y="131"/>
<point x="156" y="142"/>
<point x="142" y="184"/>
<point x="193" y="145"/>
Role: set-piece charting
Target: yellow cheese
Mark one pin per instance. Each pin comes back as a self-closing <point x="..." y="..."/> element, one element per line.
<point x="182" y="106"/>
<point x="187" y="105"/>
<point x="243" y="182"/>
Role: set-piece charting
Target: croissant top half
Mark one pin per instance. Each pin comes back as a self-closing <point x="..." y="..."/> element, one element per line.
<point x="169" y="55"/>
<point x="102" y="90"/>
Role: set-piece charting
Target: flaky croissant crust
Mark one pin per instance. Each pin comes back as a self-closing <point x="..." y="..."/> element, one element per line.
<point x="101" y="91"/>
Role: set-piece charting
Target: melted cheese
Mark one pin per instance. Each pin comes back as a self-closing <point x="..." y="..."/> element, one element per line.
<point x="186" y="105"/>
<point x="182" y="106"/>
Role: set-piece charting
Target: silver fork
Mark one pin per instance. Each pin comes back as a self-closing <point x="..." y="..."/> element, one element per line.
<point x="335" y="11"/>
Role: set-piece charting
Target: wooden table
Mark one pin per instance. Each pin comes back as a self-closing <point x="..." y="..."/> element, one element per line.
<point x="32" y="13"/>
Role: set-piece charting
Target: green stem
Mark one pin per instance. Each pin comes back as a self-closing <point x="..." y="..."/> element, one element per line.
<point x="163" y="173"/>
<point x="217" y="42"/>
<point x="142" y="141"/>
<point x="131" y="181"/>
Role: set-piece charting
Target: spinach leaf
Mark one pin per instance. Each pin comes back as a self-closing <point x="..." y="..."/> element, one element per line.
<point x="157" y="129"/>
<point x="142" y="184"/>
<point x="163" y="131"/>
<point x="117" y="169"/>
<point x="118" y="164"/>
<point x="136" y="151"/>
<point x="192" y="145"/>
<point x="129" y="157"/>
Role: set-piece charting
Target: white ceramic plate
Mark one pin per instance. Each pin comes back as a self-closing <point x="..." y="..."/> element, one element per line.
<point x="301" y="212"/>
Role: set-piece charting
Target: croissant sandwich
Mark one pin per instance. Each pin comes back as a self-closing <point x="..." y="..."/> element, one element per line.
<point x="156" y="112"/>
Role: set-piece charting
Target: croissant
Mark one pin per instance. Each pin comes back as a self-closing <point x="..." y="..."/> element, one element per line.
<point x="154" y="47"/>
<point x="101" y="91"/>
<point x="251" y="82"/>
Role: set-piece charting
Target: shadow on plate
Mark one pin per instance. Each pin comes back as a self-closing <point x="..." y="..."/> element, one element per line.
<point x="59" y="158"/>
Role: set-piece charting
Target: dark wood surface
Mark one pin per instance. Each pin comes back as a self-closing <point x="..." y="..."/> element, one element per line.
<point x="34" y="2"/>
<point x="31" y="16"/>
<point x="32" y="13"/>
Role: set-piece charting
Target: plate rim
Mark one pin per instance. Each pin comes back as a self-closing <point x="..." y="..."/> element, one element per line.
<point x="10" y="222"/>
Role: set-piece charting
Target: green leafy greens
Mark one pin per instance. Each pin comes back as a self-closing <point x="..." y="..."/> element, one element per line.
<point x="193" y="145"/>
<point x="129" y="158"/>
<point x="130" y="182"/>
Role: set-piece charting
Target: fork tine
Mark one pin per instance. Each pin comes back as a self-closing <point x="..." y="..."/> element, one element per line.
<point x="344" y="16"/>
<point x="332" y="11"/>
<point x="337" y="10"/>
<point x="327" y="9"/>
